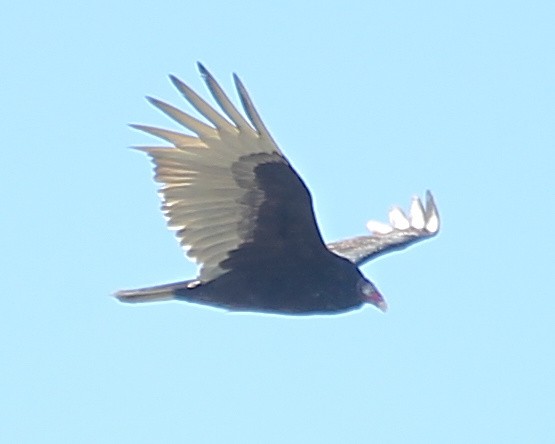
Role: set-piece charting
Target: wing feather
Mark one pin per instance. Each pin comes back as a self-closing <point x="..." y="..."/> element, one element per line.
<point x="202" y="129"/>
<point x="224" y="102"/>
<point x="403" y="231"/>
<point x="214" y="190"/>
<point x="178" y="139"/>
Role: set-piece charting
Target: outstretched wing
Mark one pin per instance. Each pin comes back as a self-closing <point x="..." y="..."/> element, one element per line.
<point x="401" y="232"/>
<point x="229" y="192"/>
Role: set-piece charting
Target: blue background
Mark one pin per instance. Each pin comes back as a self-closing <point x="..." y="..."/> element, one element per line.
<point x="372" y="102"/>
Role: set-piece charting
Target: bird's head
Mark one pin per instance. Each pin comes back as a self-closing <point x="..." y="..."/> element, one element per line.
<point x="370" y="294"/>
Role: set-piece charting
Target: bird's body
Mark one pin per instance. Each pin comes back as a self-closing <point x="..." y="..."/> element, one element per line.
<point x="274" y="288"/>
<point x="282" y="288"/>
<point x="243" y="213"/>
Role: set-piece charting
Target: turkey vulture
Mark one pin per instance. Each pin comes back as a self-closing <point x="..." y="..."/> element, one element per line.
<point x="241" y="211"/>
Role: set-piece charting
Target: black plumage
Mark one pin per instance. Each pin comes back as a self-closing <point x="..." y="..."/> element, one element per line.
<point x="242" y="212"/>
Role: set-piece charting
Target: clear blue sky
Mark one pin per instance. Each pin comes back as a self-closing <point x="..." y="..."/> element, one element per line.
<point x="372" y="102"/>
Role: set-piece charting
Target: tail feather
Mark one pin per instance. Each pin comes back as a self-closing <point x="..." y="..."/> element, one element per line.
<point x="165" y="292"/>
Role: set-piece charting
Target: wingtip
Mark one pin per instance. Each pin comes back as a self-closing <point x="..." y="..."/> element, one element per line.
<point x="205" y="74"/>
<point x="175" y="81"/>
<point x="429" y="199"/>
<point x="398" y="219"/>
<point x="417" y="214"/>
<point x="207" y="77"/>
<point x="432" y="214"/>
<point x="376" y="227"/>
<point x="139" y="127"/>
<point x="153" y="101"/>
<point x="181" y="87"/>
<point x="424" y="218"/>
<point x="238" y="84"/>
<point x="202" y="69"/>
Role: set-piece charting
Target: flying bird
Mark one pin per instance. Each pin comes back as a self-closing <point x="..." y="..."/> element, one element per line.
<point x="242" y="212"/>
